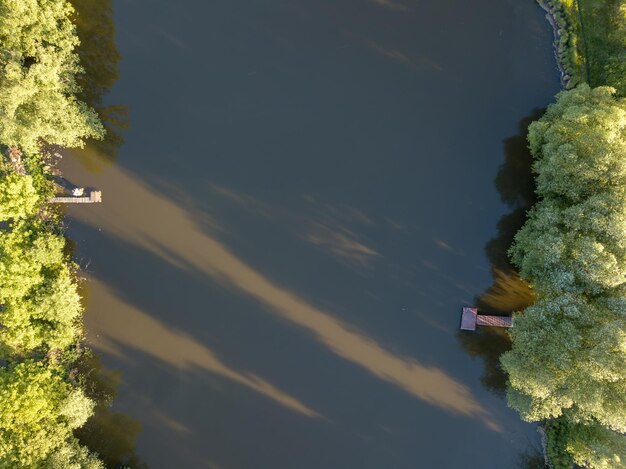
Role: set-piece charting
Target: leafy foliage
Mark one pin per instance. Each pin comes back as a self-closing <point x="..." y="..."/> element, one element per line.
<point x="590" y="445"/>
<point x="595" y="446"/>
<point x="605" y="27"/>
<point x="40" y="406"/>
<point x="37" y="77"/>
<point x="568" y="355"/>
<point x="71" y="455"/>
<point x="574" y="239"/>
<point x="566" y="365"/>
<point x="591" y="45"/>
<point x="18" y="196"/>
<point x="48" y="316"/>
<point x="26" y="251"/>
<point x="38" y="412"/>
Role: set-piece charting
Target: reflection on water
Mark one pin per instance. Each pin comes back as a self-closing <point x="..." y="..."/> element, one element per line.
<point x="508" y="293"/>
<point x="532" y="459"/>
<point x="327" y="227"/>
<point x="110" y="434"/>
<point x="415" y="64"/>
<point x="391" y="4"/>
<point x="99" y="57"/>
<point x="160" y="226"/>
<point x="516" y="186"/>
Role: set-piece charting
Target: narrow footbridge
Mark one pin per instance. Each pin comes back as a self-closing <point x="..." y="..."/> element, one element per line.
<point x="91" y="198"/>
<point x="470" y="319"/>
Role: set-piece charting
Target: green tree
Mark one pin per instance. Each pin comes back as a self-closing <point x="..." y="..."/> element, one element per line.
<point x="566" y="365"/>
<point x="567" y="357"/>
<point x="18" y="196"/>
<point x="573" y="240"/>
<point x="593" y="445"/>
<point x="47" y="316"/>
<point x="40" y="407"/>
<point x="71" y="455"/>
<point x="38" y="66"/>
<point x="26" y="250"/>
<point x="38" y="412"/>
<point x="586" y="444"/>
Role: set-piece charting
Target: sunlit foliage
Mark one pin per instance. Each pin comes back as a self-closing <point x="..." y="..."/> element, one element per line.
<point x="566" y="365"/>
<point x="38" y="66"/>
<point x="26" y="250"/>
<point x="605" y="31"/>
<point x="48" y="316"/>
<point x="574" y="239"/>
<point x="588" y="445"/>
<point x="41" y="401"/>
<point x="71" y="455"/>
<point x="569" y="354"/>
<point x="38" y="412"/>
<point x="591" y="44"/>
<point x="18" y="196"/>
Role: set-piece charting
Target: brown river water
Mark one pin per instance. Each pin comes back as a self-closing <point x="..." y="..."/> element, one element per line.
<point x="306" y="194"/>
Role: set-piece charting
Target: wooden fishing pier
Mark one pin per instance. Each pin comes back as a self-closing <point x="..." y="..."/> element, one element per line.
<point x="91" y="198"/>
<point x="470" y="319"/>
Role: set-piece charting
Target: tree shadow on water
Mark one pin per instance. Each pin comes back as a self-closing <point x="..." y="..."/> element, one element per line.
<point x="110" y="434"/>
<point x="532" y="459"/>
<point x="508" y="293"/>
<point x="99" y="57"/>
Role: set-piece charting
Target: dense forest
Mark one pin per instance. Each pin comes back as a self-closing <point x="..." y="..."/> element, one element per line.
<point x="42" y="395"/>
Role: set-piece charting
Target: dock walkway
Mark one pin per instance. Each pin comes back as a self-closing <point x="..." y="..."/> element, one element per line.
<point x="470" y="319"/>
<point x="93" y="197"/>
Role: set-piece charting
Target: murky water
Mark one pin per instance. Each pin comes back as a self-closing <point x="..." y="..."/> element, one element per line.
<point x="295" y="216"/>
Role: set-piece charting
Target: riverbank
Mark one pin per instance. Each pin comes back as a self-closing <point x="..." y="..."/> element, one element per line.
<point x="570" y="248"/>
<point x="589" y="41"/>
<point x="43" y="397"/>
<point x="565" y="52"/>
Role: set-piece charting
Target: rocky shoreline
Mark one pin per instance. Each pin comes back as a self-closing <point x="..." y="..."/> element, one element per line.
<point x="556" y="16"/>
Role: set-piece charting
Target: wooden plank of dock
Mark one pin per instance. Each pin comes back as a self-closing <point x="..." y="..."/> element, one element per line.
<point x="94" y="197"/>
<point x="494" y="321"/>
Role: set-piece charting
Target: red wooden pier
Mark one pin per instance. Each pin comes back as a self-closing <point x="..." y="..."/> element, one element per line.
<point x="470" y="319"/>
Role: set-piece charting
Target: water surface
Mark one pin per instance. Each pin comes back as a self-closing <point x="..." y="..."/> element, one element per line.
<point x="297" y="213"/>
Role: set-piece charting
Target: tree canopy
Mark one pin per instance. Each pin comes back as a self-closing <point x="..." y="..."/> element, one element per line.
<point x="569" y="347"/>
<point x="41" y="402"/>
<point x="574" y="238"/>
<point x="38" y="412"/>
<point x="18" y="196"/>
<point x="38" y="67"/>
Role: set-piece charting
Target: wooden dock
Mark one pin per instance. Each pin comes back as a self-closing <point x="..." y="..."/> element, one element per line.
<point x="470" y="319"/>
<point x="93" y="197"/>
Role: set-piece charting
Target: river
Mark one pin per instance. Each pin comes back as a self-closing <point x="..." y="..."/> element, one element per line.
<point x="291" y="222"/>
